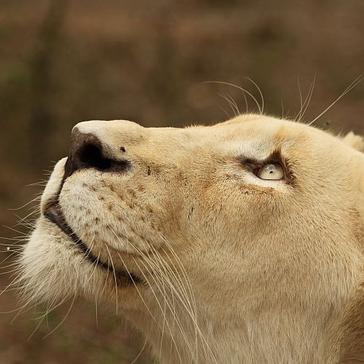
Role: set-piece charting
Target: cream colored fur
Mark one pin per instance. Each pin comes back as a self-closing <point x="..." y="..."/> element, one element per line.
<point x="236" y="269"/>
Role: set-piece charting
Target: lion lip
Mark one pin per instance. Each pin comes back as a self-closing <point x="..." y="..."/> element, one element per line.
<point x="53" y="213"/>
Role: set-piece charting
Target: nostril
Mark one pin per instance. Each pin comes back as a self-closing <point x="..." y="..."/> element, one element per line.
<point x="87" y="152"/>
<point x="90" y="155"/>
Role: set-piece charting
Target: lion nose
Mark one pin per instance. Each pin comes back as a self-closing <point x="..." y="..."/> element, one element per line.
<point x="87" y="151"/>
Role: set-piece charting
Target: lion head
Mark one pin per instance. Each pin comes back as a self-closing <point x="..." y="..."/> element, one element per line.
<point x="237" y="242"/>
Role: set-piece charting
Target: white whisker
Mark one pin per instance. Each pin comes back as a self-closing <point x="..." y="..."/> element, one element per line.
<point x="352" y="85"/>
<point x="241" y="89"/>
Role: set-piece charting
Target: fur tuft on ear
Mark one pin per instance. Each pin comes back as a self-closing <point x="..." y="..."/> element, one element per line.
<point x="355" y="141"/>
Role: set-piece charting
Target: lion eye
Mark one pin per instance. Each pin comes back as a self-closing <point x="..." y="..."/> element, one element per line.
<point x="271" y="172"/>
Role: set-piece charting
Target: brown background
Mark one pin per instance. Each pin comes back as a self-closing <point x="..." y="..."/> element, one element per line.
<point x="66" y="61"/>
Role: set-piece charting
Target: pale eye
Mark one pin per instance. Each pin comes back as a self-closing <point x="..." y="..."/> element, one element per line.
<point x="271" y="172"/>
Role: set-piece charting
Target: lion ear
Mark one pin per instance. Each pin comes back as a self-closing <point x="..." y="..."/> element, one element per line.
<point x="355" y="141"/>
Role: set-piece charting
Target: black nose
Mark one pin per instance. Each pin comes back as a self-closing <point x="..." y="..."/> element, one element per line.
<point x="86" y="151"/>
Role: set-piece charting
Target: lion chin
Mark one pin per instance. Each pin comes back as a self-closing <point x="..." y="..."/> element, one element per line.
<point x="240" y="242"/>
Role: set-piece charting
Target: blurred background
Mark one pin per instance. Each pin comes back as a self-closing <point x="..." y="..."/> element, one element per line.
<point x="62" y="62"/>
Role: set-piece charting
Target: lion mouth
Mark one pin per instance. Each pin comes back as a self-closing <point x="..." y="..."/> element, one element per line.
<point x="54" y="213"/>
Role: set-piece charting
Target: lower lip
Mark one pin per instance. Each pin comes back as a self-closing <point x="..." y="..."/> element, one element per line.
<point x="54" y="214"/>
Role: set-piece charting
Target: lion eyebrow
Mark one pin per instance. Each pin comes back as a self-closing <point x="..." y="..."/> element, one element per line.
<point x="273" y="157"/>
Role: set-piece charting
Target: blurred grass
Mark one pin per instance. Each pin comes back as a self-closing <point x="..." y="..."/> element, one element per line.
<point x="66" y="61"/>
<point x="79" y="339"/>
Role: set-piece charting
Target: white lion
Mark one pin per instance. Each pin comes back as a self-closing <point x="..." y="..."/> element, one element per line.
<point x="241" y="242"/>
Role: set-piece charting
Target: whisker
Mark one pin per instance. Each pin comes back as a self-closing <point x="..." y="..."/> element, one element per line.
<point x="307" y="100"/>
<point x="137" y="289"/>
<point x="301" y="99"/>
<point x="157" y="269"/>
<point x="183" y="297"/>
<point x="159" y="305"/>
<point x="115" y="280"/>
<point x="25" y="218"/>
<point x="22" y="233"/>
<point x="17" y="239"/>
<point x="241" y="89"/>
<point x="349" y="88"/>
<point x="139" y="353"/>
<point x="234" y="107"/>
<point x="64" y="319"/>
<point x="94" y="268"/>
<point x="173" y="290"/>
<point x="37" y="198"/>
<point x="41" y="320"/>
<point x="259" y="91"/>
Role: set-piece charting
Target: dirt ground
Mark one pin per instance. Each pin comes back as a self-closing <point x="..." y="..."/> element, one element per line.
<point x="66" y="61"/>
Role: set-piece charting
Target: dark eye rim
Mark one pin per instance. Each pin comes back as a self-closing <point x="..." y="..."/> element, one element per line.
<point x="255" y="165"/>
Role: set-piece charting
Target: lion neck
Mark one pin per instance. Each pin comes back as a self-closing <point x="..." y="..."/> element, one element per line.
<point x="258" y="337"/>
